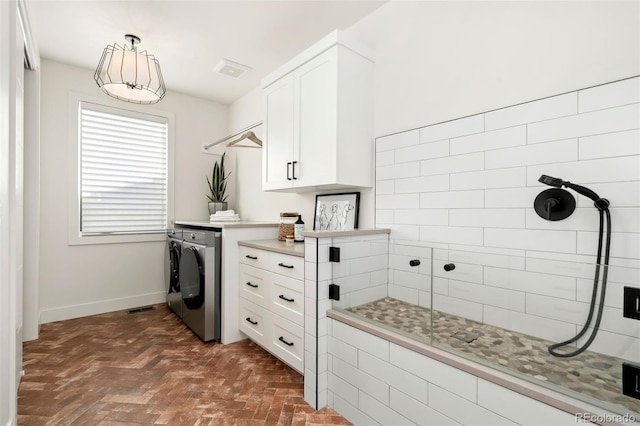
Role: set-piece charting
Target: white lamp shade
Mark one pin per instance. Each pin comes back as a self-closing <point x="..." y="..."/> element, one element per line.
<point x="129" y="75"/>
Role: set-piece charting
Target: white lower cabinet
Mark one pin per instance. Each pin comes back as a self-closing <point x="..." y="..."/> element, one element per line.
<point x="252" y="285"/>
<point x="252" y="321"/>
<point x="272" y="303"/>
<point x="287" y="341"/>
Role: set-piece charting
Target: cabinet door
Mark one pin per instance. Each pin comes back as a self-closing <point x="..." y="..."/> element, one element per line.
<point x="278" y="149"/>
<point x="316" y="120"/>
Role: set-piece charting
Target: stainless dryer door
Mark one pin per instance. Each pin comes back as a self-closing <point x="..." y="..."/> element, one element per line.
<point x="192" y="278"/>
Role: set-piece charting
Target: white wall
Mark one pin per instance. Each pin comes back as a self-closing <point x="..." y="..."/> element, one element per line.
<point x="87" y="279"/>
<point x="440" y="60"/>
<point x="437" y="61"/>
<point x="467" y="187"/>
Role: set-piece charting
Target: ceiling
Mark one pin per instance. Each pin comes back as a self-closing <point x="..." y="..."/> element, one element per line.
<point x="189" y="38"/>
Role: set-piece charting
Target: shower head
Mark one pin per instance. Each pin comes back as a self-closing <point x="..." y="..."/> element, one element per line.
<point x="600" y="203"/>
<point x="551" y="181"/>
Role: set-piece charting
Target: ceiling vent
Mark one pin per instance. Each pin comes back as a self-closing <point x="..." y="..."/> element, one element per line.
<point x="231" y="69"/>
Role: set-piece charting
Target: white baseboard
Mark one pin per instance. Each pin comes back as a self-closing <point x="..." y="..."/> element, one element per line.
<point x="100" y="307"/>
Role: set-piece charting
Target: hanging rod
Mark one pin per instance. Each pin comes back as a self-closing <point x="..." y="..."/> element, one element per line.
<point x="239" y="132"/>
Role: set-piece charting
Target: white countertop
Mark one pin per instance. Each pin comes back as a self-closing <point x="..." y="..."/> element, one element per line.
<point x="293" y="249"/>
<point x="239" y="224"/>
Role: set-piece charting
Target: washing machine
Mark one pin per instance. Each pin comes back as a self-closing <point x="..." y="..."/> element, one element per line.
<point x="200" y="277"/>
<point x="173" y="251"/>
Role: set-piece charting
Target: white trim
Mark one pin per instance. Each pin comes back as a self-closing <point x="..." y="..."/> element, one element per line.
<point x="9" y="55"/>
<point x="30" y="45"/>
<point x="31" y="298"/>
<point x="73" y="227"/>
<point x="101" y="307"/>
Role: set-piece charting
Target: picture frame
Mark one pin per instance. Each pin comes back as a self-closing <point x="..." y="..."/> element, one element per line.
<point x="336" y="212"/>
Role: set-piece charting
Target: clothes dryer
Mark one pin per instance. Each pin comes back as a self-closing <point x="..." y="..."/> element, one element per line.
<point x="200" y="284"/>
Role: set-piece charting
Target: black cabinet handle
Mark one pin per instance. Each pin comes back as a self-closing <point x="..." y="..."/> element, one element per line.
<point x="251" y="285"/>
<point x="294" y="169"/>
<point x="252" y="322"/>
<point x="285" y="298"/>
<point x="288" y="172"/>
<point x="251" y="257"/>
<point x="449" y="267"/>
<point x="285" y="342"/>
<point x="285" y="266"/>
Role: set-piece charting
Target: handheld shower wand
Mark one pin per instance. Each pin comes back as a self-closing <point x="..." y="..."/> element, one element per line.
<point x="599" y="203"/>
<point x="602" y="205"/>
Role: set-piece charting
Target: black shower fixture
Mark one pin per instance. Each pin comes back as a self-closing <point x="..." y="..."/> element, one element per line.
<point x="557" y="204"/>
<point x="554" y="204"/>
<point x="599" y="203"/>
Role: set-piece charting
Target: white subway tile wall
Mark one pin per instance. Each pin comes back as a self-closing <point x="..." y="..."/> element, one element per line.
<point x="316" y="294"/>
<point x="378" y="382"/>
<point x="362" y="270"/>
<point x="466" y="188"/>
<point x="362" y="275"/>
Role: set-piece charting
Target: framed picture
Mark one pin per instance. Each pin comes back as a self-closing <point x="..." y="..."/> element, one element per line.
<point x="336" y="212"/>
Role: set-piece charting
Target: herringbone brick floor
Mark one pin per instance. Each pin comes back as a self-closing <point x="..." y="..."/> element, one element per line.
<point x="148" y="368"/>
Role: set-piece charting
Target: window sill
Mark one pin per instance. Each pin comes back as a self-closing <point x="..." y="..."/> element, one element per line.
<point x="77" y="240"/>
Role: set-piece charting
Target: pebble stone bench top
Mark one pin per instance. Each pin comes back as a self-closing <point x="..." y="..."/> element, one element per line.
<point x="592" y="374"/>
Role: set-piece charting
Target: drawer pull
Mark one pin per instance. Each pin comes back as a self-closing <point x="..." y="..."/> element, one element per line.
<point x="285" y="342"/>
<point x="285" y="266"/>
<point x="251" y="257"/>
<point x="252" y="322"/>
<point x="282" y="296"/>
<point x="251" y="285"/>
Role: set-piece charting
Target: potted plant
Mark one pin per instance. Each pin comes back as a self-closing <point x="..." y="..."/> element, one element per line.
<point x="218" y="187"/>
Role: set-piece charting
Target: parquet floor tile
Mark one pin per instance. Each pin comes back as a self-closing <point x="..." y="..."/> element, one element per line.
<point x="148" y="368"/>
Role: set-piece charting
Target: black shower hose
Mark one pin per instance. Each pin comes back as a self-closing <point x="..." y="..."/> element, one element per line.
<point x="552" y="348"/>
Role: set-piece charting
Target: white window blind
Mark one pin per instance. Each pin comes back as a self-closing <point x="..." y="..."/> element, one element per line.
<point x="123" y="171"/>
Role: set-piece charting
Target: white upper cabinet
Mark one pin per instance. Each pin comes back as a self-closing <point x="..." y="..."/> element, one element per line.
<point x="319" y="119"/>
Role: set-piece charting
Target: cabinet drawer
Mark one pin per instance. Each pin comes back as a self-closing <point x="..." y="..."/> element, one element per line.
<point x="287" y="342"/>
<point x="254" y="257"/>
<point x="254" y="285"/>
<point x="287" y="265"/>
<point x="254" y="321"/>
<point x="287" y="298"/>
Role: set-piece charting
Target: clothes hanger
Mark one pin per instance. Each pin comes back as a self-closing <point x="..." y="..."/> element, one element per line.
<point x="245" y="135"/>
<point x="248" y="135"/>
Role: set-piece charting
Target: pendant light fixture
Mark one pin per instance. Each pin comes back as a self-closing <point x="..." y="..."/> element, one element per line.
<point x="129" y="75"/>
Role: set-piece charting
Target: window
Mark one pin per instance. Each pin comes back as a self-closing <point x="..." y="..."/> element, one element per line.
<point x="123" y="171"/>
